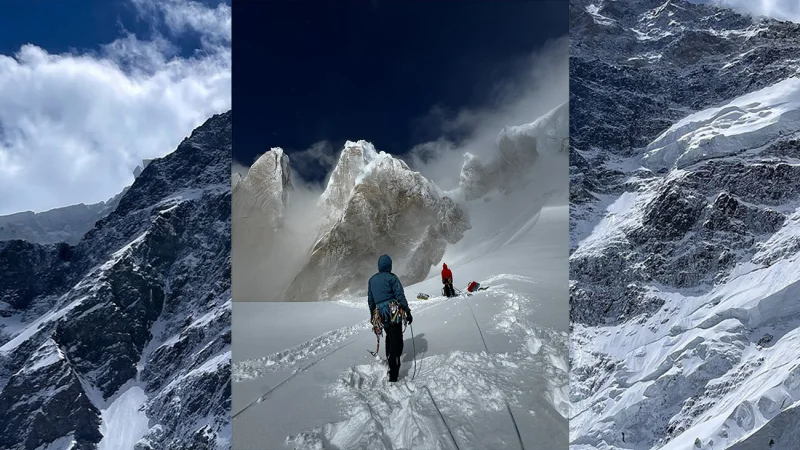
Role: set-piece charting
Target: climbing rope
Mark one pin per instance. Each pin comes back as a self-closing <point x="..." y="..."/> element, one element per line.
<point x="413" y="344"/>
<point x="508" y="407"/>
<point x="264" y="396"/>
<point x="442" y="416"/>
<point x="476" y="324"/>
<point x="519" y="436"/>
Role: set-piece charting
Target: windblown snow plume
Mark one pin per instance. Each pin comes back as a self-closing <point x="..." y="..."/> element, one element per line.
<point x="516" y="164"/>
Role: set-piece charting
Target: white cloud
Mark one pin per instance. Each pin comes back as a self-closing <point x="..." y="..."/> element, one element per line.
<point x="213" y="24"/>
<point x="778" y="9"/>
<point x="74" y="126"/>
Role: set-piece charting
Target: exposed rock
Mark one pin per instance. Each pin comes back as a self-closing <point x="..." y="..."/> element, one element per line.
<point x="683" y="225"/>
<point x="143" y="297"/>
<point x="388" y="209"/>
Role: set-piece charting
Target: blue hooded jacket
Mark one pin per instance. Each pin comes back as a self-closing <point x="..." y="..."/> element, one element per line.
<point x="384" y="287"/>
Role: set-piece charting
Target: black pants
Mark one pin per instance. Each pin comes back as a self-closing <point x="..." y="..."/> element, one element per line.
<point x="394" y="348"/>
<point x="449" y="291"/>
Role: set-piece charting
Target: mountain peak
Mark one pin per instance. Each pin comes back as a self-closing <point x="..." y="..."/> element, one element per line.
<point x="353" y="160"/>
<point x="268" y="182"/>
<point x="376" y="204"/>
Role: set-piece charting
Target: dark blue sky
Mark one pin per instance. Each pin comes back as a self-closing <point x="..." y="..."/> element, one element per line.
<point x="67" y="25"/>
<point x="305" y="72"/>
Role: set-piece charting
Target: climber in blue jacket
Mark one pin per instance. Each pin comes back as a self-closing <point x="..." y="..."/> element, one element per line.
<point x="385" y="295"/>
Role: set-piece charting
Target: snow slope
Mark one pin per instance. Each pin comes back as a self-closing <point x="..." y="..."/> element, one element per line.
<point x="302" y="377"/>
<point x="745" y="123"/>
<point x="685" y="189"/>
<point x="717" y="367"/>
<point x="124" y="421"/>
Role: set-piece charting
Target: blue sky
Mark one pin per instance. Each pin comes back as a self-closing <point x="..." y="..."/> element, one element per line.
<point x="89" y="88"/>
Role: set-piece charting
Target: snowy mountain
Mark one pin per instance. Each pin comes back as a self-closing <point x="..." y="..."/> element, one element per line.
<point x="123" y="340"/>
<point x="375" y="204"/>
<point x="67" y="224"/>
<point x="685" y="260"/>
<point x="353" y="161"/>
<point x="261" y="196"/>
<point x="260" y="200"/>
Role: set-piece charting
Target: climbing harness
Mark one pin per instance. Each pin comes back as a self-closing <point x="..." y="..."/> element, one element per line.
<point x="396" y="313"/>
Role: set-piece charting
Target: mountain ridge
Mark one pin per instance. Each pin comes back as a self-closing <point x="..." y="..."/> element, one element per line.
<point x="137" y="311"/>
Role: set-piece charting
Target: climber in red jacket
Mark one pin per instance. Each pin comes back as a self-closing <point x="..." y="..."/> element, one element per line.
<point x="447" y="280"/>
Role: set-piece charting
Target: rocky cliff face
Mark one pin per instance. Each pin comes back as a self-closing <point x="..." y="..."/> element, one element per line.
<point x="260" y="202"/>
<point x="683" y="200"/>
<point x="376" y="204"/>
<point x="260" y="198"/>
<point x="141" y="302"/>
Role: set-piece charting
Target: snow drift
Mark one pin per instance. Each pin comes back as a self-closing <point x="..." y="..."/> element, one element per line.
<point x="476" y="379"/>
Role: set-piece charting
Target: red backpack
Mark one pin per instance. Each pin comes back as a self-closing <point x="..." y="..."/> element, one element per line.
<point x="473" y="286"/>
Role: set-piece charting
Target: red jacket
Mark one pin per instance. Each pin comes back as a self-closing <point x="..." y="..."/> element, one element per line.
<point x="446" y="273"/>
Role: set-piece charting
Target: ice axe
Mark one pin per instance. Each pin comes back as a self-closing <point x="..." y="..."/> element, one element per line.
<point x="377" y="346"/>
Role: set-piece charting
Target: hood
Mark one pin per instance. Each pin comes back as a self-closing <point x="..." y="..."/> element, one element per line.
<point x="384" y="263"/>
<point x="444" y="266"/>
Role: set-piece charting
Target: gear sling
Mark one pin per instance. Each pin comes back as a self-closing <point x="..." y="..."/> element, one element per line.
<point x="396" y="314"/>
